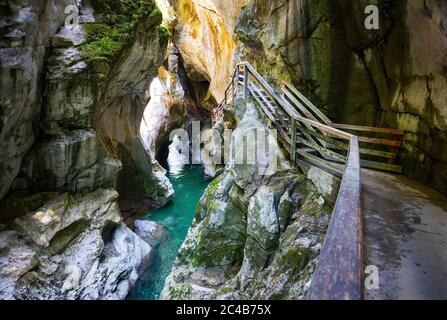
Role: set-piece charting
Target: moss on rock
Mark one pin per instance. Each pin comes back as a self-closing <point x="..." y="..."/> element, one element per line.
<point x="120" y="21"/>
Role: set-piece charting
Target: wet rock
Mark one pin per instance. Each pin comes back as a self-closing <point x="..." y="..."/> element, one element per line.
<point x="164" y="191"/>
<point x="151" y="232"/>
<point x="125" y="259"/>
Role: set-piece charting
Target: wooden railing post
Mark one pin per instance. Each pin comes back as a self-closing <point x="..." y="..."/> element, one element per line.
<point x="245" y="82"/>
<point x="293" y="141"/>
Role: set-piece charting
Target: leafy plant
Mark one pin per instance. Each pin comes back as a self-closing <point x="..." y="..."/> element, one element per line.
<point x="121" y="17"/>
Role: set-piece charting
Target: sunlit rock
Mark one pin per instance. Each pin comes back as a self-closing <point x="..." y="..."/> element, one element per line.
<point x="16" y="259"/>
<point x="205" y="42"/>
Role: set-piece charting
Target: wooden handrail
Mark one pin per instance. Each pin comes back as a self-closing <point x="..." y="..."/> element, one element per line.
<point x="339" y="271"/>
<point x="379" y="152"/>
<point x="397" y="132"/>
<point x="291" y="111"/>
<point x="308" y="103"/>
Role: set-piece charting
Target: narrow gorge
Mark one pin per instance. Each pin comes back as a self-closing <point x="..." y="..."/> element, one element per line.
<point x="123" y="124"/>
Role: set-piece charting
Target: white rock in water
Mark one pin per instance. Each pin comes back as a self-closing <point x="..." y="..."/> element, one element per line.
<point x="151" y="232"/>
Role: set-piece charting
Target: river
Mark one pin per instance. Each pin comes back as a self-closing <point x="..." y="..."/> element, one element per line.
<point x="189" y="184"/>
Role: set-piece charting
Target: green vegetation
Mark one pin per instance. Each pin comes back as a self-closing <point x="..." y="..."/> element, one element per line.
<point x="120" y="19"/>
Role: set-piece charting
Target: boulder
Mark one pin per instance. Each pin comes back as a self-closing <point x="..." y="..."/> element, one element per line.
<point x="151" y="232"/>
<point x="16" y="259"/>
<point x="74" y="247"/>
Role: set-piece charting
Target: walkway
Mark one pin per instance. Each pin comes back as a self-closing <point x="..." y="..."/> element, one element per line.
<point x="405" y="237"/>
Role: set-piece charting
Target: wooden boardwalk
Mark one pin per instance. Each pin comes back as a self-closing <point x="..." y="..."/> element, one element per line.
<point x="405" y="230"/>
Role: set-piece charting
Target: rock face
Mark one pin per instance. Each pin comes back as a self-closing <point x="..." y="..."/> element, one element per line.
<point x="123" y="103"/>
<point x="249" y="238"/>
<point x="74" y="247"/>
<point x="171" y="102"/>
<point x="25" y="34"/>
<point x="16" y="259"/>
<point x="88" y="104"/>
<point x="213" y="152"/>
<point x="205" y="42"/>
<point x="74" y="162"/>
<point x="71" y="103"/>
<point x="391" y="77"/>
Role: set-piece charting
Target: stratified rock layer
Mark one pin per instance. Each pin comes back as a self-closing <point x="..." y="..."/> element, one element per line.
<point x="25" y="34"/>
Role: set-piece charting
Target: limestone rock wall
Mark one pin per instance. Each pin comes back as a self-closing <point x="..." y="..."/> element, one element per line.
<point x="391" y="77"/>
<point x="122" y="106"/>
<point x="74" y="125"/>
<point x="203" y="33"/>
<point x="25" y="32"/>
<point x="172" y="103"/>
<point x="71" y="103"/>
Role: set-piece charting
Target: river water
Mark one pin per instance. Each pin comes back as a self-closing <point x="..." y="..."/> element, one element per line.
<point x="189" y="184"/>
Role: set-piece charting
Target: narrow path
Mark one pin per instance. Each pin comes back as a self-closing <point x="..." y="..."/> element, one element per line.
<point x="405" y="237"/>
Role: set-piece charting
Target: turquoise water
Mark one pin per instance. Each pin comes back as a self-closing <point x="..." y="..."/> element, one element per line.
<point x="189" y="185"/>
